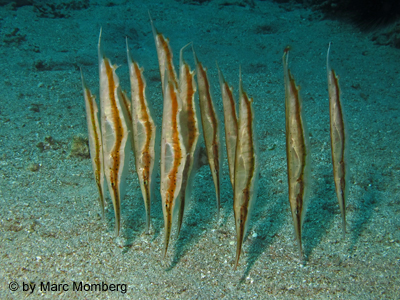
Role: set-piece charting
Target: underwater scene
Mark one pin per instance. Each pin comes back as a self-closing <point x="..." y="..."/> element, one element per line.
<point x="200" y="149"/>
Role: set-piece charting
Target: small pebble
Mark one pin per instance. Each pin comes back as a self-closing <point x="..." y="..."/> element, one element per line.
<point x="33" y="167"/>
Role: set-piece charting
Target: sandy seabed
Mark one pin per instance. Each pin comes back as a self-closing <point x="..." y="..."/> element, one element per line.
<point x="51" y="231"/>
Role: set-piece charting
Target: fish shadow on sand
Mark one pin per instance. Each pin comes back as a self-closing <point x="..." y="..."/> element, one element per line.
<point x="226" y="210"/>
<point x="322" y="210"/>
<point x="109" y="216"/>
<point x="133" y="215"/>
<point x="156" y="215"/>
<point x="199" y="216"/>
<point x="133" y="218"/>
<point x="364" y="208"/>
<point x="266" y="228"/>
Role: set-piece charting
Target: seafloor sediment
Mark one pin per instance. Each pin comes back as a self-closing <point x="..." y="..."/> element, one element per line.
<point x="51" y="230"/>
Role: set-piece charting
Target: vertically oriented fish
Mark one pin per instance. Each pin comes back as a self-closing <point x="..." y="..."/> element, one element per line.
<point x="128" y="106"/>
<point x="95" y="141"/>
<point x="211" y="128"/>
<point x="189" y="129"/>
<point x="297" y="152"/>
<point x="246" y="169"/>
<point x="173" y="157"/>
<point x="144" y="134"/>
<point x="231" y="123"/>
<point x="165" y="60"/>
<point x="126" y="102"/>
<point x="173" y="150"/>
<point x="338" y="141"/>
<point x="115" y="133"/>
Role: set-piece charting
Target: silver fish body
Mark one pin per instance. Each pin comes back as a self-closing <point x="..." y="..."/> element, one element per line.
<point x="297" y="153"/>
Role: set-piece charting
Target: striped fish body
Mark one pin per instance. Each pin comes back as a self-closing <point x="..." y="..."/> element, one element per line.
<point x="297" y="153"/>
<point x="246" y="169"/>
<point x="173" y="157"/>
<point x="173" y="152"/>
<point x="165" y="58"/>
<point x="95" y="141"/>
<point x="127" y="107"/>
<point x="338" y="142"/>
<point x="189" y="129"/>
<point x="211" y="130"/>
<point x="115" y="133"/>
<point x="231" y="124"/>
<point x="144" y="135"/>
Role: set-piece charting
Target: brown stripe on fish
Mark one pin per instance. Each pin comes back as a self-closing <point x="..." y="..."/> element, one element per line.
<point x="300" y="180"/>
<point x="127" y="105"/>
<point x="168" y="55"/>
<point x="231" y="123"/>
<point x="97" y="144"/>
<point x="145" y="153"/>
<point x="233" y="114"/>
<point x="249" y="128"/>
<point x="191" y="115"/>
<point x="177" y="161"/>
<point x="164" y="54"/>
<point x="96" y="136"/>
<point x="214" y="123"/>
<point x="297" y="152"/>
<point x="115" y="152"/>
<point x="245" y="149"/>
<point x="338" y="140"/>
<point x="232" y="102"/>
<point x="192" y="132"/>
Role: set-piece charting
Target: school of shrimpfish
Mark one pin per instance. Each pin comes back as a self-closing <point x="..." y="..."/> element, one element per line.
<point x="128" y="124"/>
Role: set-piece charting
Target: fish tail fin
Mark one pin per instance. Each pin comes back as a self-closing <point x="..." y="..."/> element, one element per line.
<point x="239" y="243"/>
<point x="167" y="234"/>
<point x="240" y="231"/>
<point x="117" y="224"/>
<point x="182" y="196"/>
<point x="301" y="254"/>
<point x="181" y="212"/>
<point x="148" y="221"/>
<point x="102" y="202"/>
<point x="298" y="233"/>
